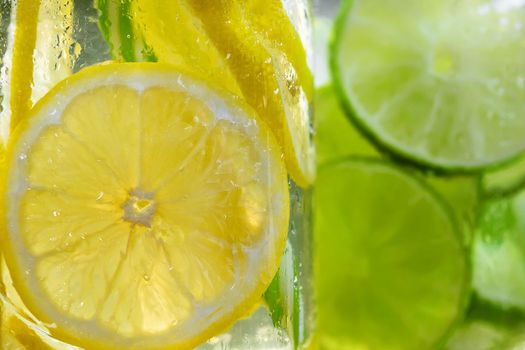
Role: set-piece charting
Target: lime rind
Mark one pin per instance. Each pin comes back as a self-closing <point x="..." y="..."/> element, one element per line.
<point x="495" y="142"/>
<point x="336" y="137"/>
<point x="446" y="214"/>
<point x="498" y="253"/>
<point x="505" y="180"/>
<point x="488" y="327"/>
<point x="477" y="335"/>
<point x="116" y="26"/>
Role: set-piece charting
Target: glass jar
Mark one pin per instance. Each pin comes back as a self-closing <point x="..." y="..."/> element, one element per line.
<point x="258" y="54"/>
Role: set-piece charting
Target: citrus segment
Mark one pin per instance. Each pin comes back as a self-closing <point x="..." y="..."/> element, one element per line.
<point x="390" y="271"/>
<point x="143" y="209"/>
<point x="427" y="89"/>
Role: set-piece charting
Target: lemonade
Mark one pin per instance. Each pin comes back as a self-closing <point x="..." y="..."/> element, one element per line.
<point x="157" y="161"/>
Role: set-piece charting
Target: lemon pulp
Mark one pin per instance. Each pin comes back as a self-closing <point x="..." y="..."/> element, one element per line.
<point x="143" y="210"/>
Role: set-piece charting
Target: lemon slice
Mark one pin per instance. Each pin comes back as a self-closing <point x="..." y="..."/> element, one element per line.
<point x="143" y="210"/>
<point x="17" y="63"/>
<point x="271" y="74"/>
<point x="26" y="14"/>
<point x="178" y="37"/>
<point x="39" y="34"/>
<point x="16" y="335"/>
<point x="268" y="79"/>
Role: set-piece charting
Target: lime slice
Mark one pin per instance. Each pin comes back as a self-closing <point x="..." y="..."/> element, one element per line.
<point x="478" y="335"/>
<point x="180" y="189"/>
<point x="463" y="194"/>
<point x="506" y="179"/>
<point x="335" y="136"/>
<point x="498" y="252"/>
<point x="116" y="25"/>
<point x="443" y="90"/>
<point x="290" y="297"/>
<point x="391" y="271"/>
<point x="488" y="327"/>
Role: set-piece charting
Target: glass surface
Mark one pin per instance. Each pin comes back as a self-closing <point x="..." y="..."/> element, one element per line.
<point x="73" y="35"/>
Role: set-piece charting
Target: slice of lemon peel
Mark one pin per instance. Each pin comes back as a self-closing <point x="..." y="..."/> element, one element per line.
<point x="191" y="232"/>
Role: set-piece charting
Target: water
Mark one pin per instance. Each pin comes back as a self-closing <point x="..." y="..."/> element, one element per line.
<point x="69" y="39"/>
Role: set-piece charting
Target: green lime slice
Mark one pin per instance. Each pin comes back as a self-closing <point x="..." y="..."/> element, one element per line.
<point x="498" y="252"/>
<point x="441" y="83"/>
<point x="289" y="297"/>
<point x="488" y="327"/>
<point x="116" y="26"/>
<point x="506" y="179"/>
<point x="335" y="136"/>
<point x="391" y="270"/>
<point x="477" y="335"/>
<point x="462" y="193"/>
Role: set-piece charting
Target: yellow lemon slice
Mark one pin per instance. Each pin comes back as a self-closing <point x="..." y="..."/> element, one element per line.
<point x="142" y="210"/>
<point x="177" y="36"/>
<point x="16" y="335"/>
<point x="26" y="19"/>
<point x="39" y="34"/>
<point x="271" y="74"/>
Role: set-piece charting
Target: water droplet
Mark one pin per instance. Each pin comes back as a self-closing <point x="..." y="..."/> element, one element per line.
<point x="22" y="156"/>
<point x="56" y="213"/>
<point x="146" y="277"/>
